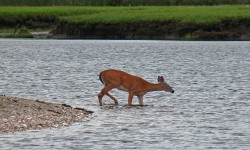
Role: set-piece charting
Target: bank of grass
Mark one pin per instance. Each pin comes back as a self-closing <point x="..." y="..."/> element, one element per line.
<point x="183" y="14"/>
<point x="120" y="2"/>
<point x="50" y="17"/>
<point x="37" y="17"/>
<point x="113" y="15"/>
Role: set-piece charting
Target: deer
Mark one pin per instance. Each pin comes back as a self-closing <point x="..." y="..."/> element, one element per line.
<point x="134" y="85"/>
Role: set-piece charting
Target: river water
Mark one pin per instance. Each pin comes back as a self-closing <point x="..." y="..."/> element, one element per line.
<point x="210" y="108"/>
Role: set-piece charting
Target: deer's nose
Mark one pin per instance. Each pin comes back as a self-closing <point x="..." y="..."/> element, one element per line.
<point x="172" y="91"/>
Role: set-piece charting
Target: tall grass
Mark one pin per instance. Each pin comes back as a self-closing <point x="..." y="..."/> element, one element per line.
<point x="118" y="2"/>
<point x="11" y="16"/>
<point x="183" y="14"/>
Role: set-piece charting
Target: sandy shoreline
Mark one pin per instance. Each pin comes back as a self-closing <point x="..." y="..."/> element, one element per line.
<point x="19" y="114"/>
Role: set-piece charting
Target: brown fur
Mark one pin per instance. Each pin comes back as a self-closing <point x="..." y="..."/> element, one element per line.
<point x="134" y="85"/>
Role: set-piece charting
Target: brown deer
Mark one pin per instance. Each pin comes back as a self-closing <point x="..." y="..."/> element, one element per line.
<point x="135" y="86"/>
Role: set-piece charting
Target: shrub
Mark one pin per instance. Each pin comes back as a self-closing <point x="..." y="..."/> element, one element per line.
<point x="23" y="32"/>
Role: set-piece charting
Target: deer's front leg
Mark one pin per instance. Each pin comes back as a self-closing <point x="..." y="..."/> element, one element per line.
<point x="140" y="98"/>
<point x="130" y="98"/>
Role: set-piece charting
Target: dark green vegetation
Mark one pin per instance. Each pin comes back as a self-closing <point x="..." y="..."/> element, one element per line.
<point x="119" y="2"/>
<point x="144" y="22"/>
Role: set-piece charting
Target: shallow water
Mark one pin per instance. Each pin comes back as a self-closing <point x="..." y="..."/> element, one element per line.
<point x="209" y="109"/>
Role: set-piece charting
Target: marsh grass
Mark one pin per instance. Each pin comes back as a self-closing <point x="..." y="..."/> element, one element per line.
<point x="21" y="32"/>
<point x="119" y="2"/>
<point x="183" y="14"/>
<point x="117" y="15"/>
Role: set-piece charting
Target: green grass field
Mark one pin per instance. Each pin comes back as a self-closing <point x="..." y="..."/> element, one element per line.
<point x="121" y="2"/>
<point x="10" y="16"/>
<point x="183" y="14"/>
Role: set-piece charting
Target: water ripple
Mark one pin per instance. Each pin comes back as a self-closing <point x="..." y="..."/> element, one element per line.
<point x="210" y="109"/>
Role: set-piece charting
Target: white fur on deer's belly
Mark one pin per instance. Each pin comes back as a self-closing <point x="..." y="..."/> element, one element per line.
<point x="122" y="88"/>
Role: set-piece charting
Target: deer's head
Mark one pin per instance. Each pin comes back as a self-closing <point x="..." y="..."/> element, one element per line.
<point x="165" y="86"/>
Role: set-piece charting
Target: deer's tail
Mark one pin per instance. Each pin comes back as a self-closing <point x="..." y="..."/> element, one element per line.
<point x="100" y="78"/>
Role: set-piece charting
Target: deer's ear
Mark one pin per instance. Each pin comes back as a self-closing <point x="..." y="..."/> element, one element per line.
<point x="160" y="79"/>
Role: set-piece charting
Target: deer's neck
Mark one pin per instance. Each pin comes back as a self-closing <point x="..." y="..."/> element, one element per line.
<point x="148" y="87"/>
<point x="154" y="87"/>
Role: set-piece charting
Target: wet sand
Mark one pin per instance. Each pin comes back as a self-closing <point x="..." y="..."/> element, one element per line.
<point x="20" y="114"/>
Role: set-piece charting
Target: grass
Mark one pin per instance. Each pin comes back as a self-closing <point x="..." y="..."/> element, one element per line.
<point x="183" y="14"/>
<point x="6" y="30"/>
<point x="11" y="30"/>
<point x="114" y="15"/>
<point x="118" y="2"/>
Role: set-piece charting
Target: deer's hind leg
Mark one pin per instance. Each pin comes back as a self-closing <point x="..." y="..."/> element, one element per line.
<point x="114" y="99"/>
<point x="105" y="91"/>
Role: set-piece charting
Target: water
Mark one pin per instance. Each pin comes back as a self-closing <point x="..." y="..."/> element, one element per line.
<point x="209" y="109"/>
